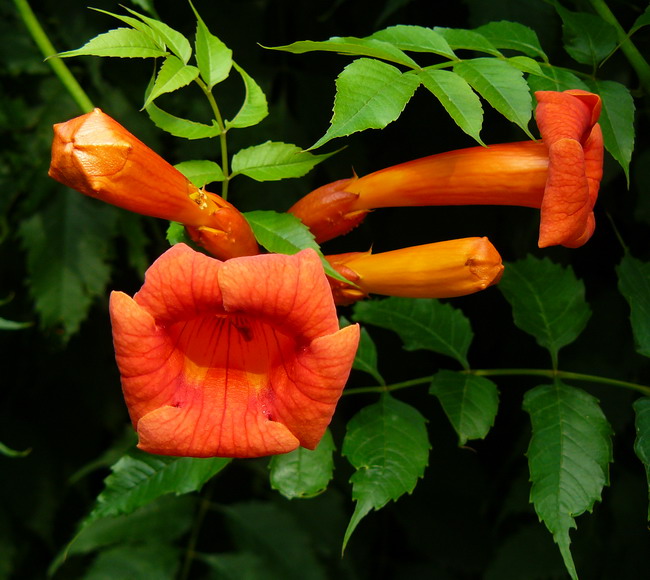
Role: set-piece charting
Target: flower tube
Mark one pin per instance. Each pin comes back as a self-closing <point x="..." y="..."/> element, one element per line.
<point x="98" y="157"/>
<point x="439" y="270"/>
<point x="559" y="175"/>
<point x="242" y="358"/>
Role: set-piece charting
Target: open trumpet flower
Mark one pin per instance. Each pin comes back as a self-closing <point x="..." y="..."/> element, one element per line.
<point x="98" y="157"/>
<point x="242" y="358"/>
<point x="559" y="175"/>
<point x="439" y="270"/>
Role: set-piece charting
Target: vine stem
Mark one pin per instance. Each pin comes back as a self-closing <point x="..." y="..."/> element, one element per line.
<point x="190" y="551"/>
<point x="548" y="373"/>
<point x="49" y="52"/>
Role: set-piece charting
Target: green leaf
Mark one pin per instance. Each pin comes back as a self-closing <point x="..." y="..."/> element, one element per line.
<point x="642" y="443"/>
<point x="370" y="94"/>
<point x="641" y="21"/>
<point x="178" y="127"/>
<point x="388" y="445"/>
<point x="213" y="57"/>
<point x="138" y="478"/>
<point x="513" y="36"/>
<point x="67" y="245"/>
<point x="304" y="473"/>
<point x="13" y="325"/>
<point x="366" y="357"/>
<point x="138" y="25"/>
<point x="177" y="234"/>
<point x="352" y="46"/>
<point x="617" y="121"/>
<point x="568" y="457"/>
<point x="500" y="84"/>
<point x="587" y="38"/>
<point x="547" y="301"/>
<point x="173" y="75"/>
<point x="254" y="108"/>
<point x="459" y="38"/>
<point x="8" y="452"/>
<point x="457" y="97"/>
<point x="469" y="401"/>
<point x="176" y="42"/>
<point x="150" y="561"/>
<point x="201" y="172"/>
<point x="421" y="323"/>
<point x="556" y="79"/>
<point x="272" y="161"/>
<point x="415" y="39"/>
<point x="634" y="284"/>
<point x="119" y="42"/>
<point x="526" y="65"/>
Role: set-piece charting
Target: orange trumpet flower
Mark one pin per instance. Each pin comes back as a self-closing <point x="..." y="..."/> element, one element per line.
<point x="242" y="358"/>
<point x="560" y="175"/>
<point x="440" y="270"/>
<point x="98" y="157"/>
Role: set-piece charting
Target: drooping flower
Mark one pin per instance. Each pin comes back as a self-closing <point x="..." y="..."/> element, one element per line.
<point x="98" y="157"/>
<point x="560" y="175"/>
<point x="242" y="358"/>
<point x="439" y="270"/>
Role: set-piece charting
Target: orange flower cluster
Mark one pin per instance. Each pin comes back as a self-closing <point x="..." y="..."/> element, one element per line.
<point x="244" y="357"/>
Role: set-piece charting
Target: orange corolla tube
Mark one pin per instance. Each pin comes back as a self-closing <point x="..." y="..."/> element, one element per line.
<point x="95" y="155"/>
<point x="439" y="270"/>
<point x="560" y="175"/>
<point x="242" y="358"/>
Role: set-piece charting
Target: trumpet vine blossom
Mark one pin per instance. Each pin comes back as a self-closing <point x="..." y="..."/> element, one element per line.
<point x="242" y="358"/>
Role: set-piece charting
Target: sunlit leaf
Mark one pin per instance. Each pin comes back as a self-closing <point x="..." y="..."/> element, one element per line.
<point x="177" y="234"/>
<point x="370" y="94"/>
<point x="179" y="127"/>
<point x="388" y="445"/>
<point x="634" y="284"/>
<point x="421" y="323"/>
<point x="469" y="401"/>
<point x="120" y="42"/>
<point x="416" y="39"/>
<point x="547" y="301"/>
<point x="587" y="38"/>
<point x="642" y="443"/>
<point x="500" y="84"/>
<point x="138" y="25"/>
<point x="459" y="38"/>
<point x="457" y="97"/>
<point x="201" y="171"/>
<point x="513" y="36"/>
<point x="254" y="108"/>
<point x="173" y="75"/>
<point x="174" y="40"/>
<point x="303" y="473"/>
<point x="526" y="65"/>
<point x="568" y="457"/>
<point x="213" y="57"/>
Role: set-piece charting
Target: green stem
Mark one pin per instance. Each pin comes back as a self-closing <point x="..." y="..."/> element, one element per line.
<point x="631" y="52"/>
<point x="548" y="373"/>
<point x="49" y="52"/>
<point x="222" y="137"/>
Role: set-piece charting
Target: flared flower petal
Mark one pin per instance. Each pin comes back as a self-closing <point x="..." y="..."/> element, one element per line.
<point x="439" y="270"/>
<point x="242" y="358"/>
<point x="95" y="155"/>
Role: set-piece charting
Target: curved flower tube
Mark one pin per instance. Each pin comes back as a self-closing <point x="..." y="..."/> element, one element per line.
<point x="242" y="358"/>
<point x="98" y="157"/>
<point x="560" y="175"/>
<point x="440" y="270"/>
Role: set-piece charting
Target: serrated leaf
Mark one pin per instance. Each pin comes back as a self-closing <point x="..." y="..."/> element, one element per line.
<point x="457" y="97"/>
<point x="67" y="245"/>
<point x="138" y="478"/>
<point x="500" y="84"/>
<point x="174" y="40"/>
<point x="556" y="79"/>
<point x="421" y="323"/>
<point x="352" y="46"/>
<point x="616" y="121"/>
<point x="119" y="42"/>
<point x="469" y="401"/>
<point x="201" y="172"/>
<point x="366" y="358"/>
<point x="388" y="445"/>
<point x="547" y="301"/>
<point x="304" y="473"/>
<point x="272" y="161"/>
<point x="173" y="75"/>
<point x="213" y="57"/>
<point x="634" y="284"/>
<point x="415" y="39"/>
<point x="254" y="108"/>
<point x="642" y="442"/>
<point x="179" y="127"/>
<point x="513" y="36"/>
<point x="568" y="457"/>
<point x="587" y="38"/>
<point x="526" y="65"/>
<point x="370" y="94"/>
<point x="459" y="38"/>
<point x="138" y="25"/>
